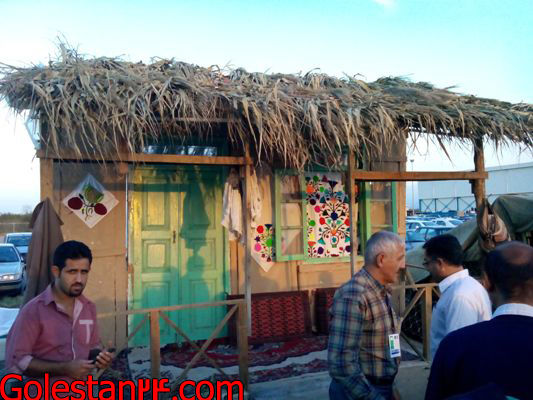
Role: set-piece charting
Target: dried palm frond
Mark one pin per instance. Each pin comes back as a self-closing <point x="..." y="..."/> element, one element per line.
<point x="101" y="105"/>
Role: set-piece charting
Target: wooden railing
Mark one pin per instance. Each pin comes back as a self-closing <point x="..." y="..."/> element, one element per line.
<point x="153" y="315"/>
<point x="423" y="297"/>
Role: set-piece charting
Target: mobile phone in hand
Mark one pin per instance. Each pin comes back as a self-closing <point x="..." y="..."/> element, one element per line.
<point x="93" y="354"/>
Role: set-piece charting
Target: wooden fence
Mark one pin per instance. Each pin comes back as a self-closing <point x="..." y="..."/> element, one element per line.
<point x="423" y="297"/>
<point x="153" y="316"/>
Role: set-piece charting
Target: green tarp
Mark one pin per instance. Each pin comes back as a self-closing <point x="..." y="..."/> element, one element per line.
<point x="515" y="210"/>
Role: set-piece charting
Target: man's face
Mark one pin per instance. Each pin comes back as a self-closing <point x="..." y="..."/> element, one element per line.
<point x="72" y="279"/>
<point x="433" y="267"/>
<point x="391" y="263"/>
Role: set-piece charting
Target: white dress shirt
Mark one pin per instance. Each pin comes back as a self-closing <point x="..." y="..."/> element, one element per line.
<point x="463" y="302"/>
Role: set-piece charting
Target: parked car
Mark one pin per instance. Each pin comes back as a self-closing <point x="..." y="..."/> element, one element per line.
<point x="21" y="241"/>
<point x="448" y="222"/>
<point x="413" y="239"/>
<point x="431" y="231"/>
<point x="12" y="269"/>
<point x="413" y="225"/>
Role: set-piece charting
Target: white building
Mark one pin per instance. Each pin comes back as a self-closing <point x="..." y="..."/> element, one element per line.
<point x="441" y="196"/>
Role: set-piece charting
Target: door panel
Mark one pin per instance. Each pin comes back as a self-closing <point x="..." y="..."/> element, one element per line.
<point x="201" y="249"/>
<point x="177" y="246"/>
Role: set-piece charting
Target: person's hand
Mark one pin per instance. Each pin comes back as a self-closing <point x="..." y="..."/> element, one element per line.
<point x="104" y="359"/>
<point x="78" y="369"/>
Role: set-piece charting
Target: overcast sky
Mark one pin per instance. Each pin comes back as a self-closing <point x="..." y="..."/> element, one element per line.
<point x="483" y="47"/>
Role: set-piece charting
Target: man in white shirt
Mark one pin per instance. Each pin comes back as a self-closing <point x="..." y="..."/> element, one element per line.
<point x="464" y="301"/>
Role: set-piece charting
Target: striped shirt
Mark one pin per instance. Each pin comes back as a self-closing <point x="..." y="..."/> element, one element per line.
<point x="362" y="319"/>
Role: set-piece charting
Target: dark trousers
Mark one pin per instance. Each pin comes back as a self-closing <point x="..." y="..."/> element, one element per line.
<point x="337" y="392"/>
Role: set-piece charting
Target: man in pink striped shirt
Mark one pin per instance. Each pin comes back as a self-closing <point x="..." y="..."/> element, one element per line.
<point x="55" y="331"/>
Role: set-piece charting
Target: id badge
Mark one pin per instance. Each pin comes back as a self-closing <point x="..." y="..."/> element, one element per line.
<point x="394" y="345"/>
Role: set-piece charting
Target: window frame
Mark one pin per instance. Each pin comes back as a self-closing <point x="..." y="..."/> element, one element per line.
<point x="364" y="224"/>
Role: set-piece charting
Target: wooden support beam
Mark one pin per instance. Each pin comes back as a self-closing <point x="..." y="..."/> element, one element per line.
<point x="146" y="158"/>
<point x="427" y="305"/>
<point x="46" y="167"/>
<point x="361" y="175"/>
<point x="247" y="239"/>
<point x="242" y="344"/>
<point x="478" y="185"/>
<point x="351" y="195"/>
<point x="171" y="308"/>
<point x="155" y="345"/>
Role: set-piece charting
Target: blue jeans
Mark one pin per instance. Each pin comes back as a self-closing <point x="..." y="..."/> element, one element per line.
<point x="337" y="392"/>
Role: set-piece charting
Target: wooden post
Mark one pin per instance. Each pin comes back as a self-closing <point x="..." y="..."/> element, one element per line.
<point x="427" y="305"/>
<point x="478" y="185"/>
<point x="46" y="166"/>
<point x="155" y="345"/>
<point x="403" y="278"/>
<point x="247" y="242"/>
<point x="351" y="195"/>
<point x="242" y="343"/>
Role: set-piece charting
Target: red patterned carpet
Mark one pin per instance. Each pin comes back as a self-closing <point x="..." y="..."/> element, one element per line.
<point x="259" y="354"/>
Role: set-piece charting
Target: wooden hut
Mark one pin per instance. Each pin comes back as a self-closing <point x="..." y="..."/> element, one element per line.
<point x="135" y="158"/>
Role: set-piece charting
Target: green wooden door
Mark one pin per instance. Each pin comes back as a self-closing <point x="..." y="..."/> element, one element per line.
<point x="178" y="246"/>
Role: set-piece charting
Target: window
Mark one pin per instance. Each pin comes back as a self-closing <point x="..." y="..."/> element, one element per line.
<point x="379" y="206"/>
<point x="312" y="220"/>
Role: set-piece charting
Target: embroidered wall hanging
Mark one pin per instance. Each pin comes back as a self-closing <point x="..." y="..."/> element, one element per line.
<point x="90" y="201"/>
<point x="263" y="246"/>
<point x="328" y="222"/>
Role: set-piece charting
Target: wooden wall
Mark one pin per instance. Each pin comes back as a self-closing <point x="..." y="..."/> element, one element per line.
<point x="107" y="286"/>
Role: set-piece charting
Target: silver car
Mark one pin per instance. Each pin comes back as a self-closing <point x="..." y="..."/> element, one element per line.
<point x="12" y="269"/>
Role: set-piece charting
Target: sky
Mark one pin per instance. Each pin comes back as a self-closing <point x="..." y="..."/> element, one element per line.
<point x="481" y="47"/>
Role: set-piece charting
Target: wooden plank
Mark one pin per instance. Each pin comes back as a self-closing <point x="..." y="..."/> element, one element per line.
<point x="478" y="185"/>
<point x="351" y="195"/>
<point x="155" y="345"/>
<point x="417" y="286"/>
<point x="46" y="167"/>
<point x="147" y="158"/>
<point x="412" y="303"/>
<point x="192" y="343"/>
<point x="204" y="347"/>
<point x="119" y="350"/>
<point x="247" y="241"/>
<point x="426" y="321"/>
<point x="172" y="308"/>
<point x="242" y="343"/>
<point x="410" y="343"/>
<point x="361" y="175"/>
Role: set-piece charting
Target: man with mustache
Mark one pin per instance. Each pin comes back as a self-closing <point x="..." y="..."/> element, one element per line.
<point x="55" y="331"/>
<point x="363" y="347"/>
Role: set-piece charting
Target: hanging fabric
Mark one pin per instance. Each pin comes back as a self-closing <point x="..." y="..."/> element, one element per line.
<point x="232" y="207"/>
<point x="256" y="200"/>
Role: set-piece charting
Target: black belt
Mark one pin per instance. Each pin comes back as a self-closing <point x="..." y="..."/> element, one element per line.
<point x="382" y="381"/>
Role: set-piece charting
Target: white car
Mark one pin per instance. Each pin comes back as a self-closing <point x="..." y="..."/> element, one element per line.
<point x="447" y="222"/>
<point x="413" y="225"/>
<point x="12" y="269"/>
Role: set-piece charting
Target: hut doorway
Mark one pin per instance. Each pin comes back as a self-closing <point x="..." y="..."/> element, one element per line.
<point x="177" y="246"/>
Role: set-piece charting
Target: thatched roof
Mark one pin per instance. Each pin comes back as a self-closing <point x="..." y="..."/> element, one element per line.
<point x="93" y="104"/>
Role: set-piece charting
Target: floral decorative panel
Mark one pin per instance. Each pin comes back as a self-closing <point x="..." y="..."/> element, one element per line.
<point x="328" y="217"/>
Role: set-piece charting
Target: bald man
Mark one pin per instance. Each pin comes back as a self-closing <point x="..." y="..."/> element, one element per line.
<point x="494" y="356"/>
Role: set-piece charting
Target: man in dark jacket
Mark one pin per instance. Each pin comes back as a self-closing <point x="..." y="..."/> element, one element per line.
<point x="496" y="352"/>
